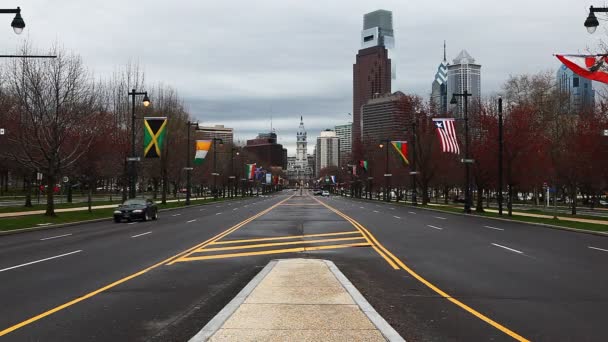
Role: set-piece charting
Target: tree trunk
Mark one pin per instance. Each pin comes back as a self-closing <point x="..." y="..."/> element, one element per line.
<point x="425" y="192"/>
<point x="446" y="193"/>
<point x="165" y="186"/>
<point x="573" y="198"/>
<point x="50" y="200"/>
<point x="510" y="203"/>
<point x="28" y="192"/>
<point x="69" y="185"/>
<point x="89" y="195"/>
<point x="479" y="206"/>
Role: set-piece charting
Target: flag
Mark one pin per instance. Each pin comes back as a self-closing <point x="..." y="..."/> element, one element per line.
<point x="401" y="147"/>
<point x="154" y="136"/>
<point x="250" y="171"/>
<point x="363" y="164"/>
<point x="447" y="135"/>
<point x="333" y="179"/>
<point x="592" y="67"/>
<point x="201" y="148"/>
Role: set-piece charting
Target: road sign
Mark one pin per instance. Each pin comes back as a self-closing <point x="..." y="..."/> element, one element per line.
<point x="467" y="161"/>
<point x="39" y="176"/>
<point x="388" y="175"/>
<point x="1" y="131"/>
<point x="188" y="168"/>
<point x="133" y="159"/>
<point x="66" y="179"/>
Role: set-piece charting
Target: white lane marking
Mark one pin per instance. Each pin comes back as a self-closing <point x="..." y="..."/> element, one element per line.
<point x="392" y="208"/>
<point x="361" y="208"/>
<point x="55" y="237"/>
<point x="397" y="217"/>
<point x="175" y="215"/>
<point x="142" y="234"/>
<point x="41" y="260"/>
<point x="377" y="205"/>
<point x="217" y="213"/>
<point x="201" y="209"/>
<point x="191" y="221"/>
<point x="599" y="249"/>
<point x="376" y="211"/>
<point x="246" y="205"/>
<point x="132" y="223"/>
<point x="217" y="206"/>
<point x="439" y="217"/>
<point x="507" y="248"/>
<point x="235" y="209"/>
<point x="44" y="224"/>
<point x="411" y="212"/>
<point x="490" y="227"/>
<point x="439" y="228"/>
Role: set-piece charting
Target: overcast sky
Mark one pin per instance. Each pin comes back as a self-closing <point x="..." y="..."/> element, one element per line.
<point x="240" y="62"/>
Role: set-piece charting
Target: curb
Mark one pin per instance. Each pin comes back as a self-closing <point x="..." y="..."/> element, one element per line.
<point x="63" y="225"/>
<point x="385" y="329"/>
<point x="218" y="320"/>
<point x="574" y="230"/>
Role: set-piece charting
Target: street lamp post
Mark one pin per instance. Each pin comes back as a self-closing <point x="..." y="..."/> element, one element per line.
<point x="414" y="171"/>
<point x="188" y="167"/>
<point x="146" y="102"/>
<point x="500" y="142"/>
<point x="591" y="23"/>
<point x="386" y="196"/>
<point x="215" y="174"/>
<point x="466" y="160"/>
<point x="233" y="177"/>
<point x="17" y="24"/>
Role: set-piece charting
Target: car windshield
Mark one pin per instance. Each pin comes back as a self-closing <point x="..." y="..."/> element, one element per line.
<point x="135" y="201"/>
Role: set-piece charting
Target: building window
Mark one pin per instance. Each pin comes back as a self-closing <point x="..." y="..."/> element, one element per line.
<point x="575" y="82"/>
<point x="368" y="38"/>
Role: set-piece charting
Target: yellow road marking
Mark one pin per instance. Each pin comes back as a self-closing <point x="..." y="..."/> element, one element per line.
<point x="430" y="285"/>
<point x="284" y="237"/>
<point x="275" y="244"/>
<point x="134" y="275"/>
<point x="275" y="251"/>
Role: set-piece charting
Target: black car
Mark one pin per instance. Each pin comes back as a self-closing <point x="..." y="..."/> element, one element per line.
<point x="136" y="209"/>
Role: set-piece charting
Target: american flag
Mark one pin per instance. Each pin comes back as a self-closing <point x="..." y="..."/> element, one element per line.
<point x="447" y="135"/>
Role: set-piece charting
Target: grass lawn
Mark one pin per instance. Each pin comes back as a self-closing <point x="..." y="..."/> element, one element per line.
<point x="12" y="223"/>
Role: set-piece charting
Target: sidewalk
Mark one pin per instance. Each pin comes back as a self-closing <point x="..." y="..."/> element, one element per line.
<point x="298" y="300"/>
<point x="65" y="210"/>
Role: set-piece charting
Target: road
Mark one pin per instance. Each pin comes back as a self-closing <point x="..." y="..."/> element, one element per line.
<point x="433" y="276"/>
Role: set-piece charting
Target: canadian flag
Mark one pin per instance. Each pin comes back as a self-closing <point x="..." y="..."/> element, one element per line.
<point x="588" y="66"/>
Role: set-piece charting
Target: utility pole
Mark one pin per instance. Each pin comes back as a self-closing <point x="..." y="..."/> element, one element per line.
<point x="500" y="142"/>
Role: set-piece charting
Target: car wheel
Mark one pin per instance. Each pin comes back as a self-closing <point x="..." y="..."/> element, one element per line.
<point x="155" y="217"/>
<point x="146" y="216"/>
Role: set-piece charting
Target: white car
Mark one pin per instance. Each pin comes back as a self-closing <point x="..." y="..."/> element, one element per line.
<point x="325" y="193"/>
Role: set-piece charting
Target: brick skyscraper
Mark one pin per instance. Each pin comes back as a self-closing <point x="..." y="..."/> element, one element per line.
<point x="372" y="72"/>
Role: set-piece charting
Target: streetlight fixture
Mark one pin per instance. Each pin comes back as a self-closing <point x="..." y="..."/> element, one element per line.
<point x="386" y="196"/>
<point x="591" y="23"/>
<point x="17" y="24"/>
<point x="188" y="168"/>
<point x="466" y="160"/>
<point x="215" y="174"/>
<point x="233" y="178"/>
<point x="500" y="143"/>
<point x="133" y="93"/>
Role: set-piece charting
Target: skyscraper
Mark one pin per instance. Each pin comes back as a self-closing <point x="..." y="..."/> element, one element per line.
<point x="439" y="88"/>
<point x="463" y="75"/>
<point x="344" y="133"/>
<point x="579" y="90"/>
<point x="327" y="151"/>
<point x="373" y="70"/>
<point x="386" y="117"/>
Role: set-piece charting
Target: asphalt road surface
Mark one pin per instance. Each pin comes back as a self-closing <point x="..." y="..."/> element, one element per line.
<point x="432" y="276"/>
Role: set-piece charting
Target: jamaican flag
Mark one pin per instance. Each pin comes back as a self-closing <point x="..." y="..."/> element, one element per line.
<point x="155" y="130"/>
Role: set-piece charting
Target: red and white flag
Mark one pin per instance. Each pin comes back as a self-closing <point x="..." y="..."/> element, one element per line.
<point x="592" y="67"/>
<point x="447" y="135"/>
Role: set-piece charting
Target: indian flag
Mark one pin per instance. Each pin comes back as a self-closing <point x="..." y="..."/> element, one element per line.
<point x="201" y="148"/>
<point x="401" y="148"/>
<point x="250" y="170"/>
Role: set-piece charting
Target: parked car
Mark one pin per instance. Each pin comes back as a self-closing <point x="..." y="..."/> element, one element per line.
<point x="317" y="192"/>
<point x="136" y="209"/>
<point x="325" y="193"/>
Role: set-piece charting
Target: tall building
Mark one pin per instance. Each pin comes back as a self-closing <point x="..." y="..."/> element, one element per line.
<point x="439" y="88"/>
<point x="265" y="151"/>
<point x="373" y="70"/>
<point x="217" y="131"/>
<point x="463" y="75"/>
<point x="327" y="151"/>
<point x="298" y="168"/>
<point x="579" y="90"/>
<point x="380" y="116"/>
<point x="344" y="133"/>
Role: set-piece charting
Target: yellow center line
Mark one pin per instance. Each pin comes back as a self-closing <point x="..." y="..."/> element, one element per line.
<point x="284" y="237"/>
<point x="134" y="275"/>
<point x="275" y="244"/>
<point x="275" y="251"/>
<point x="430" y="285"/>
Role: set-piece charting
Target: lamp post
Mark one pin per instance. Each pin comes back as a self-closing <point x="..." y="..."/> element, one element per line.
<point x="414" y="171"/>
<point x="188" y="167"/>
<point x="233" y="177"/>
<point x="146" y="102"/>
<point x="17" y="24"/>
<point x="215" y="174"/>
<point x="386" y="196"/>
<point x="500" y="142"/>
<point x="466" y="160"/>
<point x="591" y="23"/>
